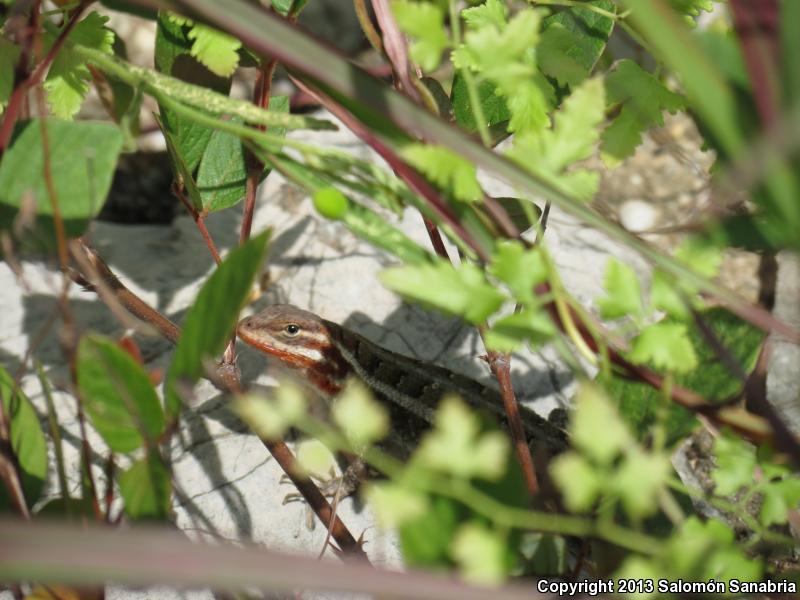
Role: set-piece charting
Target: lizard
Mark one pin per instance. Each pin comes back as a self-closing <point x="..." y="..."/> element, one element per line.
<point x="326" y="354"/>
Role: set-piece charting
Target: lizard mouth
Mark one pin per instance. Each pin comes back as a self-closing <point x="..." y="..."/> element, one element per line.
<point x="295" y="356"/>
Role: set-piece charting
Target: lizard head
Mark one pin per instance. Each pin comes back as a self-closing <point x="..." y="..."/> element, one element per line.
<point x="297" y="337"/>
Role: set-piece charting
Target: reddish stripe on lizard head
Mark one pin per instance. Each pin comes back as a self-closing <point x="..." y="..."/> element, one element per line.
<point x="295" y="336"/>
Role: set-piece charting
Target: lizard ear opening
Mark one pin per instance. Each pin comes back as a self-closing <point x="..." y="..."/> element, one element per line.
<point x="292" y="329"/>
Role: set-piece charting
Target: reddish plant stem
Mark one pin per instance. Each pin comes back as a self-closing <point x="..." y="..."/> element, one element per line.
<point x="15" y="102"/>
<point x="199" y="221"/>
<point x="436" y="238"/>
<point x="500" y="365"/>
<point x="756" y="25"/>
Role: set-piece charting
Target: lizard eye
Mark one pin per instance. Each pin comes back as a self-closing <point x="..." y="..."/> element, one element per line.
<point x="292" y="329"/>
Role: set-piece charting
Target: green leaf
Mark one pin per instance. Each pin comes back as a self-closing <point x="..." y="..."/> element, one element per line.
<point x="575" y="131"/>
<point x="9" y="55"/>
<point x="690" y="9"/>
<point x="457" y="445"/>
<point x="482" y="554"/>
<point x="461" y="291"/>
<point x="117" y="394"/>
<point x="494" y="107"/>
<point x="173" y="57"/>
<point x="426" y="539"/>
<point x="363" y="420"/>
<point x="736" y="464"/>
<point x="222" y="175"/>
<point x="779" y="497"/>
<point x="528" y="326"/>
<point x="211" y="319"/>
<point x="554" y="56"/>
<point x="585" y="29"/>
<point x="667" y="346"/>
<point x="66" y="82"/>
<point x="577" y="479"/>
<point x="638" y="481"/>
<point x="27" y="440"/>
<point x="446" y="169"/>
<point x="423" y="21"/>
<point x="666" y="295"/>
<point x="490" y="13"/>
<point x="639" y="402"/>
<point x="700" y="255"/>
<point x="504" y="56"/>
<point x="520" y="268"/>
<point x="216" y="50"/>
<point x="146" y="489"/>
<point x="643" y="99"/>
<point x="83" y="156"/>
<point x="394" y="504"/>
<point x="624" y="297"/>
<point x="596" y="427"/>
<point x="271" y="418"/>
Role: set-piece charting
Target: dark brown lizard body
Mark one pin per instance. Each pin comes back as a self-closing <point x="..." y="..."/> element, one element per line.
<point x="326" y="354"/>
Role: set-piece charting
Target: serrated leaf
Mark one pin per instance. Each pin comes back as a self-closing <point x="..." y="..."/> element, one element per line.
<point x="575" y="131"/>
<point x="215" y="49"/>
<point x="66" y="82"/>
<point x="639" y="402"/>
<point x="271" y="418"/>
<point x="665" y="295"/>
<point x="212" y="317"/>
<point x="359" y="416"/>
<point x="446" y="169"/>
<point x="491" y="13"/>
<point x="736" y="462"/>
<point x="117" y="394"/>
<point x="519" y="268"/>
<point x="394" y="504"/>
<point x="667" y="346"/>
<point x="505" y="57"/>
<point x="425" y="23"/>
<point x="700" y="255"/>
<point x="643" y="99"/>
<point x="27" y="440"/>
<point x="146" y="489"/>
<point x="482" y="554"/>
<point x="596" y="427"/>
<point x="554" y="57"/>
<point x="638" y="480"/>
<point x="493" y="105"/>
<point x="222" y="175"/>
<point x="509" y="333"/>
<point x="83" y="156"/>
<point x="623" y="294"/>
<point x="457" y="445"/>
<point x="461" y="291"/>
<point x="577" y="479"/>
<point x="173" y="57"/>
<point x="778" y="498"/>
<point x="588" y="32"/>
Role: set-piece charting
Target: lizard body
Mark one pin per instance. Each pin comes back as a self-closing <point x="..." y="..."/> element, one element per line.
<point x="326" y="354"/>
